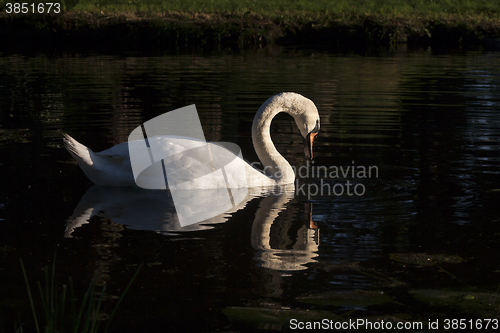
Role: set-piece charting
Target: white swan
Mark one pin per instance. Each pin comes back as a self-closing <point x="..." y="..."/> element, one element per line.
<point x="112" y="167"/>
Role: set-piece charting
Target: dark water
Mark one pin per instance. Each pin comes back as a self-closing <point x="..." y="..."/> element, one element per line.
<point x="417" y="241"/>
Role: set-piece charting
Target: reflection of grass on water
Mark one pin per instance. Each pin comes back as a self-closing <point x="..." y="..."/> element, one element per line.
<point x="62" y="312"/>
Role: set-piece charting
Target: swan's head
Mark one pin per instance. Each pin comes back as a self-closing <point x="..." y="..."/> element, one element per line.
<point x="300" y="108"/>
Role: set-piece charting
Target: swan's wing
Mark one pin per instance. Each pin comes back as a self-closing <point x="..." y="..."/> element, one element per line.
<point x="188" y="168"/>
<point x="185" y="161"/>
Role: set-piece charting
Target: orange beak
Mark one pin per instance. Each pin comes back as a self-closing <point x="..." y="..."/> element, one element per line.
<point x="308" y="145"/>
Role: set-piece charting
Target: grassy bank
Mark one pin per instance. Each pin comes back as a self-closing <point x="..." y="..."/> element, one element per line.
<point x="161" y="23"/>
<point x="272" y="8"/>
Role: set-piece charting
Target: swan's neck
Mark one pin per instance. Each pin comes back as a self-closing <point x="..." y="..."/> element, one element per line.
<point x="274" y="164"/>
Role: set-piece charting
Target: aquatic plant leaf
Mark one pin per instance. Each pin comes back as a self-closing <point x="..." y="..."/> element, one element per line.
<point x="273" y="317"/>
<point x="424" y="259"/>
<point x="358" y="298"/>
<point x="480" y="303"/>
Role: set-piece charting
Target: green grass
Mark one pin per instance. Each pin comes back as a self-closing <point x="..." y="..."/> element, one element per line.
<point x="273" y="8"/>
<point x="61" y="312"/>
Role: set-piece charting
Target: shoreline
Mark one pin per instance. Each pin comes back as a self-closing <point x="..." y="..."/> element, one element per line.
<point x="139" y="30"/>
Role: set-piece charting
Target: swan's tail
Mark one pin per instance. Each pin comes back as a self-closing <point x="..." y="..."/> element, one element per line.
<point x="77" y="150"/>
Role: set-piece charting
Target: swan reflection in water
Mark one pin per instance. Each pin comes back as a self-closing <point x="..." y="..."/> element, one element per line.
<point x="141" y="209"/>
